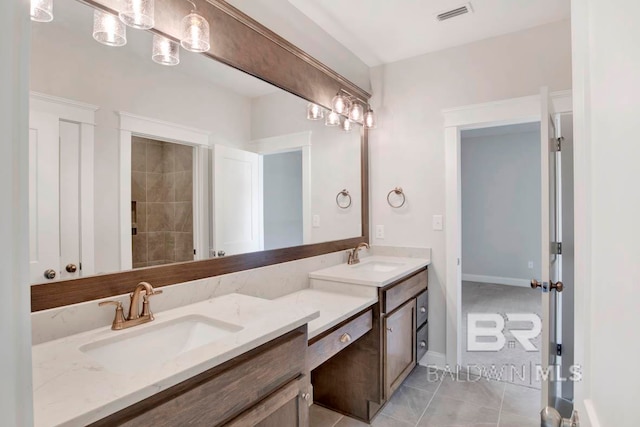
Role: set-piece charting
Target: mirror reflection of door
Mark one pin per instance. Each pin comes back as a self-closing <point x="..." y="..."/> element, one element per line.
<point x="282" y="183"/>
<point x="161" y="202"/>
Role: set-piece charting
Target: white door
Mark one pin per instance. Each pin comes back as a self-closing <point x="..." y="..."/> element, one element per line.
<point x="237" y="201"/>
<point x="69" y="189"/>
<point x="550" y="270"/>
<point x="44" y="208"/>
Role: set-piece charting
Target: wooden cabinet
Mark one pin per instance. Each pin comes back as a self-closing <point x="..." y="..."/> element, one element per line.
<point x="267" y="386"/>
<point x="361" y="378"/>
<point x="399" y="346"/>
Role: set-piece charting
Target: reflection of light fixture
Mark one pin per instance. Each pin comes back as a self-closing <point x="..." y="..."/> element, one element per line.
<point x="195" y="32"/>
<point x="333" y="119"/>
<point x="370" y="119"/>
<point x="347" y="125"/>
<point x="108" y="29"/>
<point x="314" y="112"/>
<point x="356" y="113"/>
<point x="165" y="51"/>
<point x="42" y="10"/>
<point x="340" y="104"/>
<point x="138" y="13"/>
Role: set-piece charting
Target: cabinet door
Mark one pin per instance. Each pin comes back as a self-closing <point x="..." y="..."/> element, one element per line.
<point x="399" y="345"/>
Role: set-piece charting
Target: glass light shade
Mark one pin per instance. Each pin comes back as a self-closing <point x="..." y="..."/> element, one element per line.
<point x="347" y="125"/>
<point x="42" y="10"/>
<point x="340" y="104"/>
<point x="333" y="119"/>
<point x="195" y="33"/>
<point x="314" y="111"/>
<point x="138" y="13"/>
<point x="165" y="51"/>
<point x="356" y="113"/>
<point x="370" y="120"/>
<point x="108" y="29"/>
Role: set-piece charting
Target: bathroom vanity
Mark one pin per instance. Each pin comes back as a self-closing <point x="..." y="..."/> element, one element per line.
<point x="385" y="341"/>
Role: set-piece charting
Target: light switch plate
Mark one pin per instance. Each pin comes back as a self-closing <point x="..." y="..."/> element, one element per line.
<point x="379" y="231"/>
<point x="437" y="222"/>
<point x="316" y="221"/>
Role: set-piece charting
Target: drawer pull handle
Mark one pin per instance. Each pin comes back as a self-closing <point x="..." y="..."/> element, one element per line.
<point x="423" y="309"/>
<point x="345" y="338"/>
<point x="423" y="344"/>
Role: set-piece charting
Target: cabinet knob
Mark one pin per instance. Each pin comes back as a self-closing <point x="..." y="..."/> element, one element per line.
<point x="345" y="338"/>
<point x="423" y="344"/>
<point x="423" y="309"/>
<point x="50" y="274"/>
<point x="306" y="396"/>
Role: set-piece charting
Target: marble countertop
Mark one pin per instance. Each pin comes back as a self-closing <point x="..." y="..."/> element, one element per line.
<point x="71" y="388"/>
<point x="334" y="307"/>
<point x="387" y="270"/>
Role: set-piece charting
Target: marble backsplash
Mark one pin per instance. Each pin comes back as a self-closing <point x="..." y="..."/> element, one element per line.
<point x="266" y="282"/>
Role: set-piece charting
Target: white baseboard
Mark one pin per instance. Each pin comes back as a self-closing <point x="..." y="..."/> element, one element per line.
<point x="496" y="280"/>
<point x="433" y="358"/>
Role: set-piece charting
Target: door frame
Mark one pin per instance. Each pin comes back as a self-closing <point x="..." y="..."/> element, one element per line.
<point x="135" y="125"/>
<point x="499" y="113"/>
<point x="84" y="115"/>
<point x="292" y="142"/>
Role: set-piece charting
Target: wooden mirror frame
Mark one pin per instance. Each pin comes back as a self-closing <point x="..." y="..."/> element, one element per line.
<point x="243" y="43"/>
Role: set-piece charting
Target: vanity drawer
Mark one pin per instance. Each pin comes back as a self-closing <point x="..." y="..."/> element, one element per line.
<point x="400" y="293"/>
<point x="422" y="341"/>
<point x="422" y="309"/>
<point x="328" y="346"/>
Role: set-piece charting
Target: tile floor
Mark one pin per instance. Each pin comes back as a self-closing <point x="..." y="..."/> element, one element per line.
<point x="431" y="398"/>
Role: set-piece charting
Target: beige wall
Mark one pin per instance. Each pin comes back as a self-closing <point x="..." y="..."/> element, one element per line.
<point x="407" y="149"/>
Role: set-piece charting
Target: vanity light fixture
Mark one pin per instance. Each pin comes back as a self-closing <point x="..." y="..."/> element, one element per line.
<point x="138" y="14"/>
<point x="347" y="125"/>
<point x="42" y="10"/>
<point x="340" y="104"/>
<point x="356" y="113"/>
<point x="333" y="119"/>
<point x="314" y="111"/>
<point x="370" y="121"/>
<point x="195" y="32"/>
<point x="108" y="29"/>
<point x="165" y="51"/>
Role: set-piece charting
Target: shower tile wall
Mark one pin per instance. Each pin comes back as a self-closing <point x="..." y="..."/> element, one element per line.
<point x="162" y="189"/>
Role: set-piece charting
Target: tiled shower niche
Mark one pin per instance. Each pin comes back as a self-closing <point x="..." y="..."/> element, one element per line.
<point x="162" y="202"/>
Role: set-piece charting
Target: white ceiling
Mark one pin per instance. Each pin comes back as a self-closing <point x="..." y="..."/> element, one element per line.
<point x="78" y="19"/>
<point x="383" y="31"/>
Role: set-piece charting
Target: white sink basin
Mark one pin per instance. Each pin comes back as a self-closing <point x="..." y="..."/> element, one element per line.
<point x="135" y="349"/>
<point x="379" y="266"/>
<point x="373" y="270"/>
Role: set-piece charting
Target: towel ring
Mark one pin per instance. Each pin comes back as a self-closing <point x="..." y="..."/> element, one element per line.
<point x="343" y="193"/>
<point x="397" y="190"/>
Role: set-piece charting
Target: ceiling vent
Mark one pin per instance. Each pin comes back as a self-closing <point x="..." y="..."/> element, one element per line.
<point x="462" y="10"/>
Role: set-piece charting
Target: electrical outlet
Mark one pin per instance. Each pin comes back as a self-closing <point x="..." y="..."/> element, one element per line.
<point x="379" y="231"/>
<point x="437" y="222"/>
<point x="531" y="265"/>
<point x="316" y="221"/>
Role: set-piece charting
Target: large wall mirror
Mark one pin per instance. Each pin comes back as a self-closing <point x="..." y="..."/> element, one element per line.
<point x="135" y="165"/>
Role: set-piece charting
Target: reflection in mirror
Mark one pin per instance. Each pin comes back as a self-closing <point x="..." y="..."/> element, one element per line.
<point x="135" y="164"/>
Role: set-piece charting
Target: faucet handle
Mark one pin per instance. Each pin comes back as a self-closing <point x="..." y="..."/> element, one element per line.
<point x="146" y="311"/>
<point x="118" y="320"/>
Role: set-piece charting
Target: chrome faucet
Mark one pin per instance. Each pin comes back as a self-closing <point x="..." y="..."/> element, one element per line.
<point x="135" y="316"/>
<point x="354" y="258"/>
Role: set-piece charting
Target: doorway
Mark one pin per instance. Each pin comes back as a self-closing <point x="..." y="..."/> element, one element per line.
<point x="500" y="183"/>
<point x="161" y="202"/>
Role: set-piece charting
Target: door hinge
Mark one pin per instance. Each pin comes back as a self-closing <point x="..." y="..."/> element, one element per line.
<point x="80" y="266"/>
<point x="556" y="144"/>
<point x="558" y="349"/>
<point x="556" y="248"/>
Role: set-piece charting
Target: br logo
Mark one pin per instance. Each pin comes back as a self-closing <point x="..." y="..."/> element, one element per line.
<point x="492" y="326"/>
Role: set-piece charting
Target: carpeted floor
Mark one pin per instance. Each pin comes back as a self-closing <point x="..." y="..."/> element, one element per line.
<point x="513" y="363"/>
